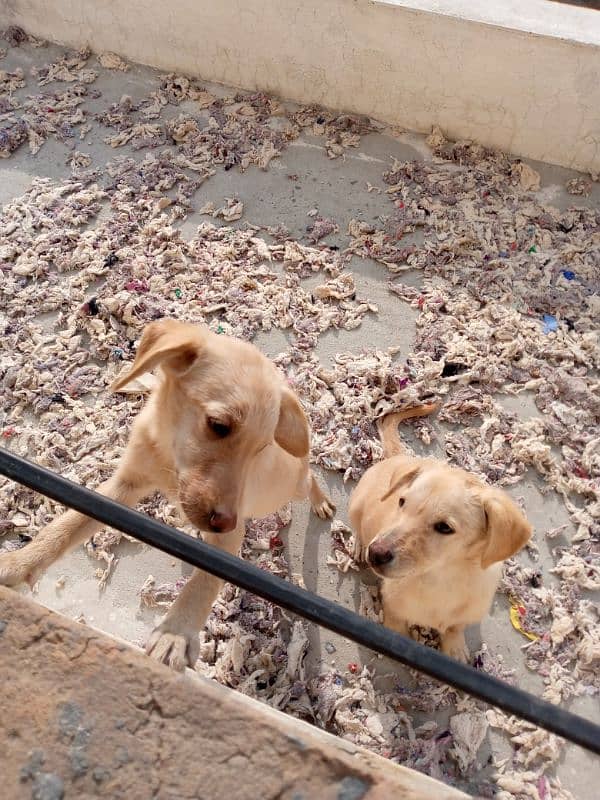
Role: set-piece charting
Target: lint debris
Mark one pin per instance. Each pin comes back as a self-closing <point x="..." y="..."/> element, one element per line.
<point x="507" y="306"/>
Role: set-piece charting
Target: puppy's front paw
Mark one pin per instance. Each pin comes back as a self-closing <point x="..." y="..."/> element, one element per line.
<point x="177" y="649"/>
<point x="17" y="568"/>
<point x="324" y="508"/>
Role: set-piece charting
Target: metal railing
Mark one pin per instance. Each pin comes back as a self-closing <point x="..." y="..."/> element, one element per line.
<point x="305" y="604"/>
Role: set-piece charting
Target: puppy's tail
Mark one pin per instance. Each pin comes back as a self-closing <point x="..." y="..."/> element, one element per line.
<point x="387" y="427"/>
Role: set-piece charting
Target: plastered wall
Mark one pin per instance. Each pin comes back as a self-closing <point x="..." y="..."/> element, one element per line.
<point x="535" y="95"/>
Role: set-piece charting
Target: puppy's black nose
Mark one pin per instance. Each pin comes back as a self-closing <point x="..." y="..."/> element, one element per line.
<point x="222" y="521"/>
<point x="379" y="554"/>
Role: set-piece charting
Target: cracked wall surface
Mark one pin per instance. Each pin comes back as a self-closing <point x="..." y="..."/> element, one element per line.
<point x="86" y="716"/>
<point x="532" y="95"/>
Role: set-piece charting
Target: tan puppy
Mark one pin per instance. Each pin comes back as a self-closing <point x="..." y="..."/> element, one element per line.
<point x="436" y="535"/>
<point x="223" y="436"/>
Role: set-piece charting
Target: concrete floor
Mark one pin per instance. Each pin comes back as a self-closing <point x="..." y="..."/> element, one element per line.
<point x="337" y="189"/>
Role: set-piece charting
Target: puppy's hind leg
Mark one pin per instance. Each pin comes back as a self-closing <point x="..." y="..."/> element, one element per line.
<point x="308" y="486"/>
<point x="321" y="504"/>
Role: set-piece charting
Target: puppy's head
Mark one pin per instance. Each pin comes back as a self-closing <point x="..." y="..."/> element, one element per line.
<point x="436" y="516"/>
<point x="219" y="403"/>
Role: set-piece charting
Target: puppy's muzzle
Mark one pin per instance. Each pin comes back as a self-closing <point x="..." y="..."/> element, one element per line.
<point x="205" y="507"/>
<point x="216" y="519"/>
<point x="379" y="554"/>
<point x="221" y="521"/>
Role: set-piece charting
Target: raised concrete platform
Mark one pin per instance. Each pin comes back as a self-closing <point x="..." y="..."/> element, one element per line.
<point x="521" y="76"/>
<point x="84" y="715"/>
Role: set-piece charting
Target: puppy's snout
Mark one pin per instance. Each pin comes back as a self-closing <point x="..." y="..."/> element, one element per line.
<point x="222" y="521"/>
<point x="380" y="553"/>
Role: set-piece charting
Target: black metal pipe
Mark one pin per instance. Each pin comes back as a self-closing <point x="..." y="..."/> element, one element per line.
<point x="303" y="603"/>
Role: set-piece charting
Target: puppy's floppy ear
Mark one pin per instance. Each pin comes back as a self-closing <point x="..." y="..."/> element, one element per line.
<point x="174" y="345"/>
<point x="507" y="529"/>
<point x="292" y="432"/>
<point x="402" y="477"/>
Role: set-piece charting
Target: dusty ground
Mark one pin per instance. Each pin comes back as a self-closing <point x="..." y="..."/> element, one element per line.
<point x="300" y="179"/>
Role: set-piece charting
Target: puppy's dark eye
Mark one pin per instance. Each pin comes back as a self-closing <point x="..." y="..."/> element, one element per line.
<point x="443" y="527"/>
<point x="221" y="429"/>
<point x="401" y="502"/>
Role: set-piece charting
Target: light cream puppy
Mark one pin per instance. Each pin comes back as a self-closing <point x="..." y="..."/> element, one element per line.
<point x="435" y="535"/>
<point x="223" y="436"/>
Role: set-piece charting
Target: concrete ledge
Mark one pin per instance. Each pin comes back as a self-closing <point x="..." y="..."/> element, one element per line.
<point x="86" y="716"/>
<point x="533" y="94"/>
<point x="529" y="16"/>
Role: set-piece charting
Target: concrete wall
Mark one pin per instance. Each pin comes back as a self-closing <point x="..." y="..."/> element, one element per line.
<point x="86" y="716"/>
<point x="533" y="94"/>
